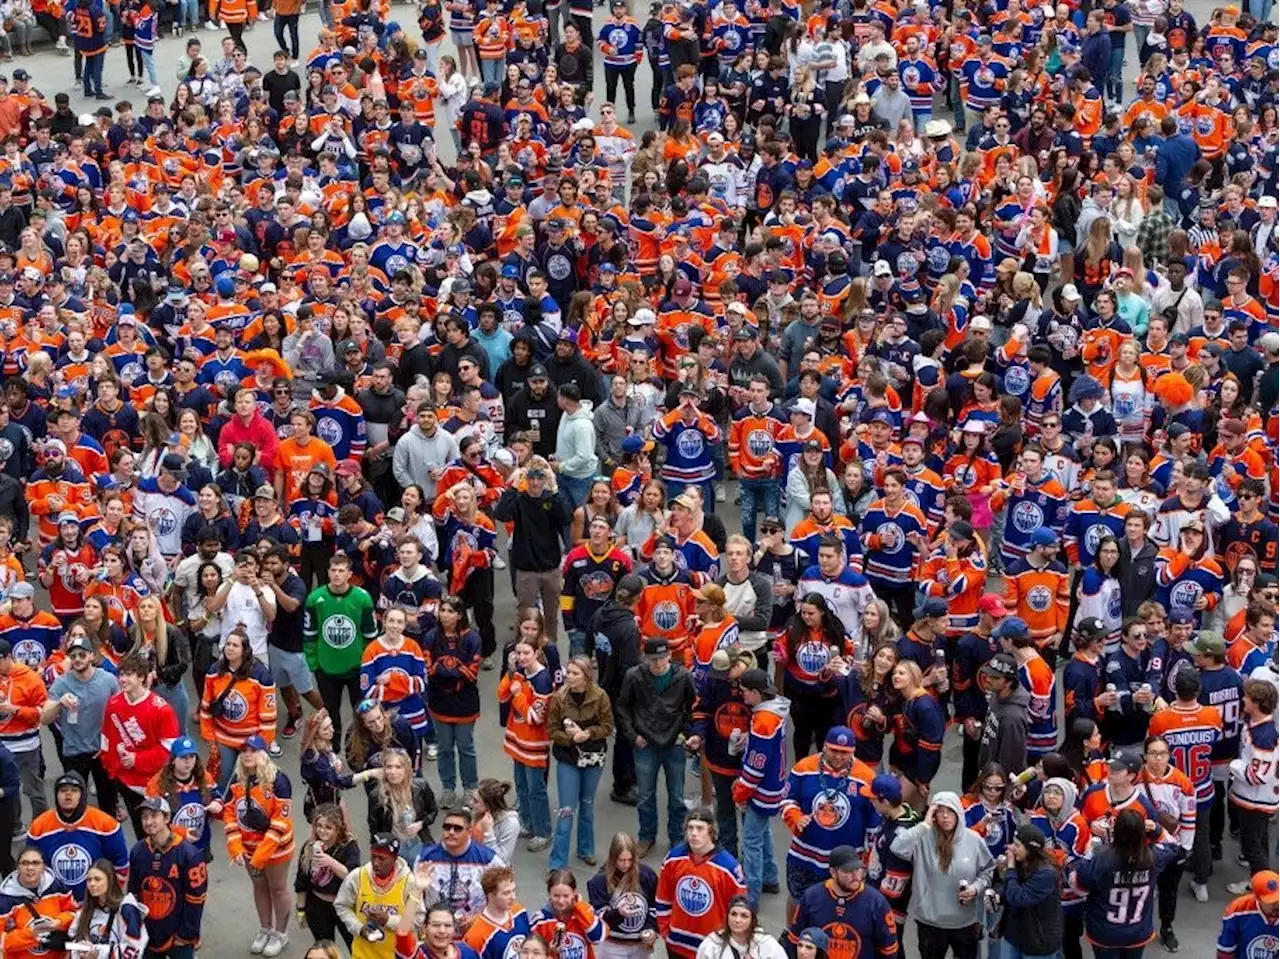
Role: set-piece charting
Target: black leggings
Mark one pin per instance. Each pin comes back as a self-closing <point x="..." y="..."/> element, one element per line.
<point x="237" y="33"/>
<point x="477" y="593"/>
<point x="935" y="941"/>
<point x="901" y="601"/>
<point x="89" y="765"/>
<point x="133" y="56"/>
<point x="1073" y="934"/>
<point x="1167" y="893"/>
<point x="628" y="75"/>
<point x="322" y="919"/>
<point x="811" y="717"/>
<point x="331" y="688"/>
<point x="289" y="20"/>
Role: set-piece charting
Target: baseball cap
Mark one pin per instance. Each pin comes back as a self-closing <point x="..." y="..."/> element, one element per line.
<point x="656" y="647"/>
<point x="80" y="644"/>
<point x="682" y="287"/>
<point x="992" y="605"/>
<point x="265" y="491"/>
<point x="804" y="406"/>
<point x="758" y="680"/>
<point x="1015" y="627"/>
<point x="1069" y="292"/>
<point x="349" y="467"/>
<point x="1181" y="616"/>
<point x="1265" y="885"/>
<point x="1001" y="664"/>
<point x="887" y="788"/>
<point x="1030" y="836"/>
<point x="156" y="804"/>
<point x="22" y="591"/>
<point x="256" y="742"/>
<point x="981" y="323"/>
<point x="815" y="936"/>
<point x="385" y="842"/>
<point x="183" y="746"/>
<point x="538" y="372"/>
<point x="1043" y="536"/>
<point x="844" y="856"/>
<point x="931" y="608"/>
<point x="396" y="514"/>
<point x="881" y="416"/>
<point x="1129" y="759"/>
<point x="1206" y="643"/>
<point x="882" y="268"/>
<point x="840" y="737"/>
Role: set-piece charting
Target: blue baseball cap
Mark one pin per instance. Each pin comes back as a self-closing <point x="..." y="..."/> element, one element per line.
<point x="1015" y="627"/>
<point x="186" y="746"/>
<point x="887" y="788"/>
<point x="511" y="272"/>
<point x="256" y="742"/>
<point x="840" y="737"/>
<point x="1043" y="536"/>
<point x="931" y="608"/>
<point x="225" y="285"/>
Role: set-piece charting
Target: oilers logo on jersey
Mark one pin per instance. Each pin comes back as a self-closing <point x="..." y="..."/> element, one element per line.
<point x="843" y="941"/>
<point x="30" y="652"/>
<point x="329" y="430"/>
<point x="1262" y="947"/>
<point x="759" y="443"/>
<point x="812" y="657"/>
<point x="234" y="707"/>
<point x="71" y="864"/>
<point x="1184" y="594"/>
<point x="1016" y="380"/>
<point x="191" y="817"/>
<point x="1040" y="598"/>
<point x="666" y="615"/>
<point x="831" y="809"/>
<point x="633" y="908"/>
<point x="694" y="895"/>
<point x="339" y="631"/>
<point x="1093" y="536"/>
<point x="891" y="537"/>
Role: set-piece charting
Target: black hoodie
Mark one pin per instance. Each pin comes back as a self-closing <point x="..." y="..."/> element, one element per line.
<point x="617" y="625"/>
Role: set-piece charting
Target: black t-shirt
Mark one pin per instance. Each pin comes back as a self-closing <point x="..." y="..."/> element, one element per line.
<point x="286" y="628"/>
<point x="277" y="84"/>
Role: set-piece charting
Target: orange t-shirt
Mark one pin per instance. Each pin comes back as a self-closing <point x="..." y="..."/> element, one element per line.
<point x="294" y="462"/>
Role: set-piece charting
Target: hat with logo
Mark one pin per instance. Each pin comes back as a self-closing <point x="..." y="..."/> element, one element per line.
<point x="656" y="647"/>
<point x="887" y="788"/>
<point x="256" y="743"/>
<point x="156" y="804"/>
<point x="1181" y="616"/>
<point x="385" y="842"/>
<point x="931" y="608"/>
<point x="265" y="491"/>
<point x="804" y="406"/>
<point x="183" y="746"/>
<point x="1265" y="886"/>
<point x="396" y="514"/>
<point x="993" y="605"/>
<point x="882" y="268"/>
<point x="1015" y="627"/>
<point x="815" y="936"/>
<point x="1129" y="759"/>
<point x="1206" y="643"/>
<point x="1001" y="664"/>
<point x="1044" y="536"/>
<point x="80" y="644"/>
<point x="840" y="737"/>
<point x="22" y="591"/>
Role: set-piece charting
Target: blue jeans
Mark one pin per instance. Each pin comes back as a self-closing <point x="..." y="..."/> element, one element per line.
<point x="757" y="852"/>
<point x="1115" y="75"/>
<point x="577" y="642"/>
<point x="227" y="757"/>
<point x="462" y="736"/>
<point x="176" y="696"/>
<point x="491" y="70"/>
<point x="1009" y="951"/>
<point x="188" y="14"/>
<point x="531" y="798"/>
<point x="753" y="490"/>
<point x="575" y="790"/>
<point x="93" y="74"/>
<point x="671" y="761"/>
<point x="149" y="62"/>
<point x="574" y="490"/>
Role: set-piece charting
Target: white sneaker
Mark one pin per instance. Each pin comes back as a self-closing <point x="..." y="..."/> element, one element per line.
<point x="210" y="25"/>
<point x="1201" y="891"/>
<point x="154" y="92"/>
<point x="720" y="495"/>
<point x="433" y="752"/>
<point x="275" y="945"/>
<point x="62" y="43"/>
<point x="260" y="942"/>
<point x="499" y="563"/>
<point x="1240" y="888"/>
<point x="274" y="750"/>
<point x="262" y="17"/>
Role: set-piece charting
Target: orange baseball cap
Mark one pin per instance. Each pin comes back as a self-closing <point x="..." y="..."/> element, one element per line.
<point x="1266" y="886"/>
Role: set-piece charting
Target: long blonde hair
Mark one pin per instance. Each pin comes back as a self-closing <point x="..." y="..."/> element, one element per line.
<point x="161" y="635"/>
<point x="396" y="798"/>
<point x="265" y="775"/>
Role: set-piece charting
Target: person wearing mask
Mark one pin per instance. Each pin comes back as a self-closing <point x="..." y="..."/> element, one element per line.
<point x="654" y="706"/>
<point x="540" y="517"/>
<point x="1032" y="922"/>
<point x="164" y="863"/>
<point x="76" y="705"/>
<point x="952" y="869"/>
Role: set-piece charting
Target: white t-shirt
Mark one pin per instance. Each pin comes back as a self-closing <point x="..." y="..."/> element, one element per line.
<point x="244" y="610"/>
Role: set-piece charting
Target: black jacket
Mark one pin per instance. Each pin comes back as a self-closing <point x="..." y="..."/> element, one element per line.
<point x="1136" y="575"/>
<point x="523" y="410"/>
<point x="657" y="715"/>
<point x="1033" y="911"/>
<point x="535" y="541"/>
<point x="617" y="625"/>
<point x="13" y="504"/>
<point x="424" y="809"/>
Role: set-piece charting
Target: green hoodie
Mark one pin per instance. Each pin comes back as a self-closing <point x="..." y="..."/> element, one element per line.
<point x="335" y="629"/>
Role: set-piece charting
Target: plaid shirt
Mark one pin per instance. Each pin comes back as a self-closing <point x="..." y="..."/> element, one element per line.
<point x="1153" y="235"/>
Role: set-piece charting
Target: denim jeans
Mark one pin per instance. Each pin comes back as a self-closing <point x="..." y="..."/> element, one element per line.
<point x="149" y="63"/>
<point x="757" y="852"/>
<point x="577" y="641"/>
<point x="574" y="490"/>
<point x="1115" y="75"/>
<point x="177" y="697"/>
<point x="1009" y="951"/>
<point x="575" y="791"/>
<point x="671" y="761"/>
<point x="462" y="736"/>
<point x="188" y="14"/>
<point x="531" y="798"/>
<point x="491" y="70"/>
<point x="757" y="493"/>
<point x="227" y="756"/>
<point x="93" y="74"/>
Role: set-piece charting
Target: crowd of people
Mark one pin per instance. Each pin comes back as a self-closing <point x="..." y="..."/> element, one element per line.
<point x="288" y="396"/>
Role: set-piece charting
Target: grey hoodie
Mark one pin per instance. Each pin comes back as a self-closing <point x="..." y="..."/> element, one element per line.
<point x="935" y="893"/>
<point x="576" y="443"/>
<point x="1004" y="733"/>
<point x="416" y="454"/>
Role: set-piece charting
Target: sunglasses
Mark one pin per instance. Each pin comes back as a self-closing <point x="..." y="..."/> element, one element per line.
<point x="453" y="827"/>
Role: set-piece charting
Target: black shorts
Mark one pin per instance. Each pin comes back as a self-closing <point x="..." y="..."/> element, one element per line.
<point x="800" y="876"/>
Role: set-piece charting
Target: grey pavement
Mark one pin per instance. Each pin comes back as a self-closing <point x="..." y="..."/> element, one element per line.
<point x="229" y="920"/>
